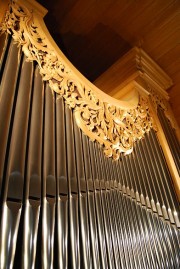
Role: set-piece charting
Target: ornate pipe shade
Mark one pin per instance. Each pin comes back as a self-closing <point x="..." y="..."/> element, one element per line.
<point x="114" y="124"/>
<point x="64" y="204"/>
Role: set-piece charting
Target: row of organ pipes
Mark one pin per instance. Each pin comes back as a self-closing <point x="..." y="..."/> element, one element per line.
<point x="63" y="203"/>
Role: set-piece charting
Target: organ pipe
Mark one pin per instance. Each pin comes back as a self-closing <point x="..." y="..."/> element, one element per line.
<point x="64" y="203"/>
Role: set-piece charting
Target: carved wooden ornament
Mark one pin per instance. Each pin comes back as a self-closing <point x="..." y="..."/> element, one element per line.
<point x="102" y="118"/>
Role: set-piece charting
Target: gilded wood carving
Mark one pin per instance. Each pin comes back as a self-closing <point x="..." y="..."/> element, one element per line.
<point x="158" y="100"/>
<point x="115" y="128"/>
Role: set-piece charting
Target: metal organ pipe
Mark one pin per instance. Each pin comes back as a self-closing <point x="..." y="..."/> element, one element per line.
<point x="62" y="211"/>
<point x="63" y="203"/>
<point x="171" y="137"/>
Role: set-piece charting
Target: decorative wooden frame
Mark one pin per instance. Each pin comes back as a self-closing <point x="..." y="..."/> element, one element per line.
<point x="114" y="124"/>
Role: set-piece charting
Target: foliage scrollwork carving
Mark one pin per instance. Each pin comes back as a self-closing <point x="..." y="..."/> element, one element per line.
<point x="158" y="100"/>
<point x="115" y="128"/>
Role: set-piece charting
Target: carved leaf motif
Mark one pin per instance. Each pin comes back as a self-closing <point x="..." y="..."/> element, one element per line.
<point x="116" y="129"/>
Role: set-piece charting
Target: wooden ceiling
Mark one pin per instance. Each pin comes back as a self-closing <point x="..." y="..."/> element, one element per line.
<point x="94" y="34"/>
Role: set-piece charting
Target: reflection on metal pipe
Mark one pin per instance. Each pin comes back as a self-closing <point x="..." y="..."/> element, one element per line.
<point x="11" y="212"/>
<point x="171" y="137"/>
<point x="63" y="203"/>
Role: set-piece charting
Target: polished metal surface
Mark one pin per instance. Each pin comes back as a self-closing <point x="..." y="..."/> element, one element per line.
<point x="63" y="203"/>
<point x="171" y="137"/>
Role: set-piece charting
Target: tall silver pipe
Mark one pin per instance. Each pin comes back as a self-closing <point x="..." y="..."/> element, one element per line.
<point x="15" y="173"/>
<point x="91" y="205"/>
<point x="83" y="206"/>
<point x="49" y="180"/>
<point x="101" y="231"/>
<point x="156" y="177"/>
<point x="171" y="138"/>
<point x="8" y="93"/>
<point x="32" y="193"/>
<point x="112" y="175"/>
<point x="73" y="193"/>
<point x="62" y="186"/>
<point x="104" y="208"/>
<point x="108" y="186"/>
<point x="166" y="182"/>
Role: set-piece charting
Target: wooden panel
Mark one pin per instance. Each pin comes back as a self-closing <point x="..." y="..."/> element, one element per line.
<point x="95" y="33"/>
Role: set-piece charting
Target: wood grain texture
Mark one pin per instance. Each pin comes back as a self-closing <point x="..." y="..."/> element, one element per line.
<point x="96" y="33"/>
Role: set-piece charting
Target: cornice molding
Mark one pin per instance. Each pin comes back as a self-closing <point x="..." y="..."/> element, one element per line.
<point x="137" y="70"/>
<point x="114" y="124"/>
<point x="134" y="64"/>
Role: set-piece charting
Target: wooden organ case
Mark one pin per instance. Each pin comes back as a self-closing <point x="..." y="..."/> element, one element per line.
<point x="86" y="181"/>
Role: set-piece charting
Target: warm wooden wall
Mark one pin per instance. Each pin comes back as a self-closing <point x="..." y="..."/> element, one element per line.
<point x="96" y="33"/>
